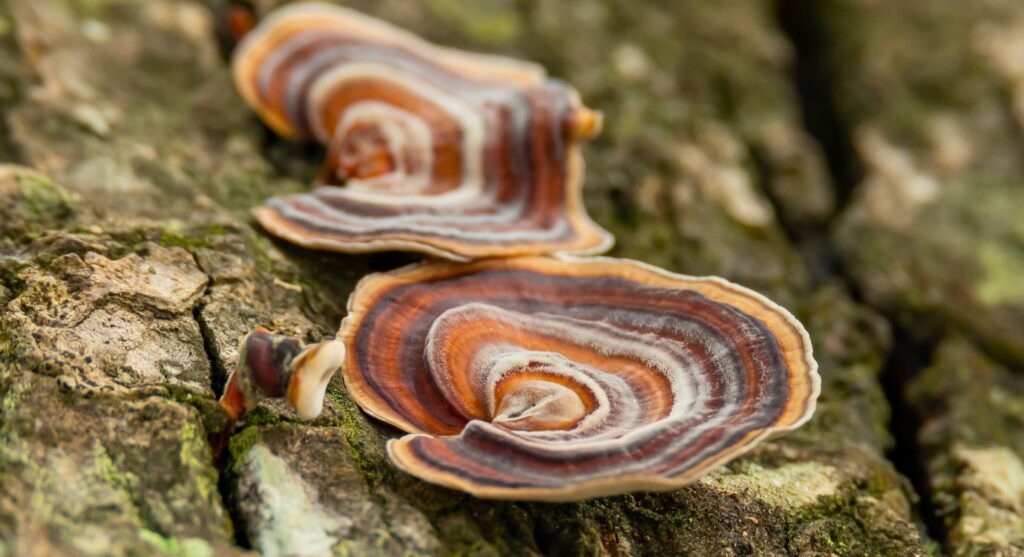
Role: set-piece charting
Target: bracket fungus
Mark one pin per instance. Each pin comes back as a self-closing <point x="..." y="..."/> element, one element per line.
<point x="276" y="366"/>
<point x="453" y="154"/>
<point x="518" y="375"/>
<point x="559" y="379"/>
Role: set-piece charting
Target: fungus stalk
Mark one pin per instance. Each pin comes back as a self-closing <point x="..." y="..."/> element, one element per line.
<point x="276" y="366"/>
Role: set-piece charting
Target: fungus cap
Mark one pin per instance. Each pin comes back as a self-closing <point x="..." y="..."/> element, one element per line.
<point x="453" y="154"/>
<point x="560" y="379"/>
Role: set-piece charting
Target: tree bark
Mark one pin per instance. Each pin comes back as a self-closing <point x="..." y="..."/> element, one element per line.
<point x="130" y="268"/>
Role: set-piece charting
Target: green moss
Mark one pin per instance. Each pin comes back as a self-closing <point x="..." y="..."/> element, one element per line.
<point x="191" y="240"/>
<point x="380" y="544"/>
<point x="905" y="271"/>
<point x="823" y="507"/>
<point x="487" y="21"/>
<point x="1004" y="268"/>
<point x="463" y="537"/>
<point x="8" y="353"/>
<point x="788" y="486"/>
<point x="366" y="452"/>
<point x="262" y="246"/>
<point x="63" y="495"/>
<point x="212" y="416"/>
<point x="242" y="189"/>
<point x="106" y="470"/>
<point x="90" y="7"/>
<point x="44" y="198"/>
<point x="195" y="456"/>
<point x="37" y="205"/>
<point x="13" y="392"/>
<point x="177" y="547"/>
<point x="974" y="399"/>
<point x="261" y="417"/>
<point x="11" y="279"/>
<point x="242" y="442"/>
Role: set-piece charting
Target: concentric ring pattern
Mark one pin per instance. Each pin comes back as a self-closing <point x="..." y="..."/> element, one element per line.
<point x="563" y="378"/>
<point x="454" y="154"/>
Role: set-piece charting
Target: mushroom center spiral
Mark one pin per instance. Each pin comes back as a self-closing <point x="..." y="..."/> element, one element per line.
<point x="551" y="377"/>
<point x="538" y="405"/>
<point x="391" y="135"/>
<point x="380" y="148"/>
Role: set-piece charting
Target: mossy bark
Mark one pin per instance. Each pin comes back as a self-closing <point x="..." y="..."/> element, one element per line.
<point x="931" y="95"/>
<point x="129" y="269"/>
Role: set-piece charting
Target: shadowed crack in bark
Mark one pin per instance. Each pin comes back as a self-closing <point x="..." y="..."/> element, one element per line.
<point x="218" y="375"/>
<point x="226" y="483"/>
<point x="811" y="79"/>
<point x="906" y="361"/>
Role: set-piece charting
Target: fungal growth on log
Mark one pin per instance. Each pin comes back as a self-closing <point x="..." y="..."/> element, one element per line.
<point x="453" y="154"/>
<point x="276" y="366"/>
<point x="560" y="378"/>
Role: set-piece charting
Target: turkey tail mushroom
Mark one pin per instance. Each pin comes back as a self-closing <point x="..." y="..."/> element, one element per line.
<point x="560" y="379"/>
<point x="453" y="154"/>
<point x="544" y="378"/>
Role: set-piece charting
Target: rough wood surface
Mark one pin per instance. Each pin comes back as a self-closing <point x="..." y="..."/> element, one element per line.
<point x="129" y="269"/>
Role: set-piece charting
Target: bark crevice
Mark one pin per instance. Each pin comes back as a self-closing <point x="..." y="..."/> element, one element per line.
<point x="908" y="356"/>
<point x="812" y="79"/>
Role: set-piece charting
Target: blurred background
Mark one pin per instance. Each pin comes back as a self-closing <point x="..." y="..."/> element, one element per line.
<point x="860" y="162"/>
